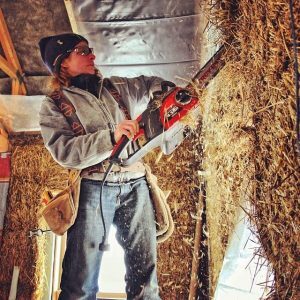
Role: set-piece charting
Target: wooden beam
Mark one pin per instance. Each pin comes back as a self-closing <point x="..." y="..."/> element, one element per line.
<point x="11" y="55"/>
<point x="7" y="68"/>
<point x="7" y="44"/>
<point x="71" y="14"/>
<point x="15" y="87"/>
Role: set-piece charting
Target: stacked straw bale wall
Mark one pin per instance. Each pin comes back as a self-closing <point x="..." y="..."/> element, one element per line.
<point x="32" y="170"/>
<point x="250" y="139"/>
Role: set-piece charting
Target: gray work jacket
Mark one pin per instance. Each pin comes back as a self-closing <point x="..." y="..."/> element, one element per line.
<point x="99" y="117"/>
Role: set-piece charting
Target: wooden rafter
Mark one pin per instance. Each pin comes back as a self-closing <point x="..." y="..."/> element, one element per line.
<point x="71" y="14"/>
<point x="10" y="64"/>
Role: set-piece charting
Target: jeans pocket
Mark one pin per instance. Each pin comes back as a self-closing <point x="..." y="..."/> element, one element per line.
<point x="89" y="195"/>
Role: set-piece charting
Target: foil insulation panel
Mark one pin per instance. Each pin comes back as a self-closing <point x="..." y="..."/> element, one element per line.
<point x="110" y="10"/>
<point x="131" y="38"/>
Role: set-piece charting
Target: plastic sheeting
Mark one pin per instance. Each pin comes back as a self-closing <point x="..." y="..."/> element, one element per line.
<point x="20" y="113"/>
<point x="244" y="275"/>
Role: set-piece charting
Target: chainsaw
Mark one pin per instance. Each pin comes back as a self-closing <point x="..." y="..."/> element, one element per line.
<point x="160" y="125"/>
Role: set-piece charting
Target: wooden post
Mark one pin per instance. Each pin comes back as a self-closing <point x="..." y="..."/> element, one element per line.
<point x="194" y="283"/>
<point x="71" y="14"/>
<point x="14" y="284"/>
<point x="10" y="65"/>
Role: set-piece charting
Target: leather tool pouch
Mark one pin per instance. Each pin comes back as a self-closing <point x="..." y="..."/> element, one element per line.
<point x="61" y="210"/>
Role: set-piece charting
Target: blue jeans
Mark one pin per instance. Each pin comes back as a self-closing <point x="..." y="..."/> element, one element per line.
<point x="129" y="207"/>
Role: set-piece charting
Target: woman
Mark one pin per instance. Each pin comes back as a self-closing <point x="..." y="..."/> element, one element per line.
<point x="126" y="202"/>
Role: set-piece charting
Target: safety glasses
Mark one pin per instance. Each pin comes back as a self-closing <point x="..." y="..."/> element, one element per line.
<point x="83" y="50"/>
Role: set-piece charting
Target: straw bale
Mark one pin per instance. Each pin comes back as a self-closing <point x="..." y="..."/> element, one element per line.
<point x="179" y="174"/>
<point x="32" y="170"/>
<point x="228" y="150"/>
<point x="250" y="139"/>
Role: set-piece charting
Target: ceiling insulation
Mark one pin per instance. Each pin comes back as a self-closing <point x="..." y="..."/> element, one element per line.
<point x="131" y="38"/>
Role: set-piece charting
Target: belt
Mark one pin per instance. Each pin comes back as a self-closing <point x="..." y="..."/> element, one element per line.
<point x="117" y="174"/>
<point x="103" y="166"/>
<point x="115" y="177"/>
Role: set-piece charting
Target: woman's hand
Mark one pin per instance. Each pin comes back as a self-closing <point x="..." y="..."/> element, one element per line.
<point x="127" y="127"/>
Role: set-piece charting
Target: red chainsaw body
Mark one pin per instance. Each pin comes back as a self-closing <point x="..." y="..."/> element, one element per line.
<point x="171" y="110"/>
<point x="156" y="121"/>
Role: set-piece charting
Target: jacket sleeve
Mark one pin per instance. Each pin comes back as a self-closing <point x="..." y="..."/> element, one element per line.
<point x="70" y="151"/>
<point x="136" y="92"/>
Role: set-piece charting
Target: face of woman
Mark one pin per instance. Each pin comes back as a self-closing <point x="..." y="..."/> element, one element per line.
<point x="80" y="61"/>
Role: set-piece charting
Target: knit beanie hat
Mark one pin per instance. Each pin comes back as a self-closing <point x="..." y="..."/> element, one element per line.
<point x="57" y="47"/>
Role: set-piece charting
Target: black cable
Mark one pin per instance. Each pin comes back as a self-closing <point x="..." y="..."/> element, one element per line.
<point x="104" y="246"/>
<point x="293" y="31"/>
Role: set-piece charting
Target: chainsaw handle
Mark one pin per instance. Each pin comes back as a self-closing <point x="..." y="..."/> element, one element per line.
<point x="119" y="147"/>
<point x="124" y="142"/>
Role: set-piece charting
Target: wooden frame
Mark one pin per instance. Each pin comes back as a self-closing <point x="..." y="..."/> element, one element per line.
<point x="10" y="64"/>
<point x="71" y="15"/>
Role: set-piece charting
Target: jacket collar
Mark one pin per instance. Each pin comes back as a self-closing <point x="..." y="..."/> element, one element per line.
<point x="87" y="82"/>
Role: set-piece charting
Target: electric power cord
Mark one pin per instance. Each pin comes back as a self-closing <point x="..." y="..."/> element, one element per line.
<point x="104" y="246"/>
